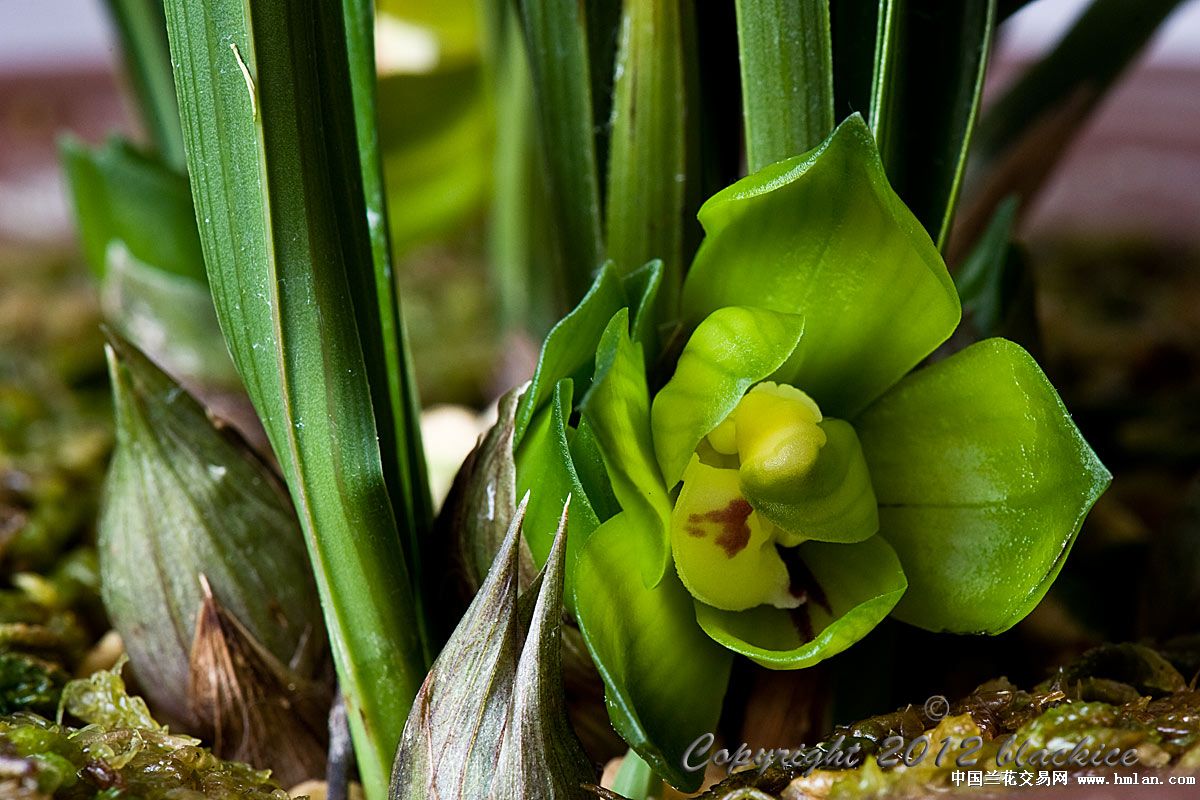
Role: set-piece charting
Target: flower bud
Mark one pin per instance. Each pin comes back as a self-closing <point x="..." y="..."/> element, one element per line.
<point x="185" y="500"/>
<point x="489" y="721"/>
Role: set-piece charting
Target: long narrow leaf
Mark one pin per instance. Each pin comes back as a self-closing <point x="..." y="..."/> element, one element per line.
<point x="557" y="45"/>
<point x="380" y="323"/>
<point x="256" y="122"/>
<point x="929" y="80"/>
<point x="648" y="161"/>
<point x="143" y="33"/>
<point x="787" y="77"/>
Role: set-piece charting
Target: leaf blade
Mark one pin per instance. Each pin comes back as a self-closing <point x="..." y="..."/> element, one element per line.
<point x="787" y="77"/>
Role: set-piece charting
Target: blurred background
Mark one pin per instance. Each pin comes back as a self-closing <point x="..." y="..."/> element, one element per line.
<point x="1110" y="275"/>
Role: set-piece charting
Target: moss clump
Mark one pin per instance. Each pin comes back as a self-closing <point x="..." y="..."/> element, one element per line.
<point x="120" y="752"/>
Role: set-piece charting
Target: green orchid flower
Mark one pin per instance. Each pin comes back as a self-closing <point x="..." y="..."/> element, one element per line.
<point x="794" y="480"/>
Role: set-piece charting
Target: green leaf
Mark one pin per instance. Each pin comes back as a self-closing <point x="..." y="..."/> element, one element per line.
<point x="983" y="482"/>
<point x="852" y="587"/>
<point x="989" y="279"/>
<point x="787" y="77"/>
<point x="635" y="780"/>
<point x="731" y="350"/>
<point x="546" y="470"/>
<point x="570" y="347"/>
<point x="857" y="27"/>
<point x="617" y="407"/>
<point x="138" y="231"/>
<point x="272" y="154"/>
<point x="126" y="197"/>
<point x="556" y="39"/>
<point x="664" y="679"/>
<point x="648" y="157"/>
<point x="380" y="323"/>
<point x="929" y="81"/>
<point x="824" y="236"/>
<point x="143" y="33"/>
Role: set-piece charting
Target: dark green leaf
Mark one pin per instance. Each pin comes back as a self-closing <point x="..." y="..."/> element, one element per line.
<point x="929" y="80"/>
<point x="983" y="482"/>
<point x="648" y="158"/>
<point x="272" y="151"/>
<point x="787" y="77"/>
<point x="143" y="33"/>
<point x="1101" y="43"/>
<point x="557" y="45"/>
<point x="1025" y="131"/>
<point x="823" y="236"/>
<point x="380" y="323"/>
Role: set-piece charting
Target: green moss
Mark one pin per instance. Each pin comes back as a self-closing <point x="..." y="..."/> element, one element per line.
<point x="122" y="752"/>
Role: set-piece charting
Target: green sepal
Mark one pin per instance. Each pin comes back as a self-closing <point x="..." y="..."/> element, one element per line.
<point x="546" y="470"/>
<point x="833" y="502"/>
<point x="570" y="347"/>
<point x="642" y="289"/>
<point x="983" y="482"/>
<point x="617" y="407"/>
<point x="732" y="349"/>
<point x="664" y="680"/>
<point x="823" y="235"/>
<point x="593" y="475"/>
<point x="859" y="584"/>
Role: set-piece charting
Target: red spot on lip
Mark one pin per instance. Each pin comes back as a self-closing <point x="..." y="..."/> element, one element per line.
<point x="735" y="533"/>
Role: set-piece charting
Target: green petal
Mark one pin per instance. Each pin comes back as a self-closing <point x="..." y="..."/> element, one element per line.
<point x="571" y="345"/>
<point x="664" y="679"/>
<point x="617" y="408"/>
<point x="860" y="582"/>
<point x="833" y="502"/>
<point x="983" y="482"/>
<point x="824" y="235"/>
<point x="546" y="469"/>
<point x="732" y="349"/>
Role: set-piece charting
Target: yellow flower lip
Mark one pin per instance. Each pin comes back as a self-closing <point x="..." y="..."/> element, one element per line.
<point x="773" y="474"/>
